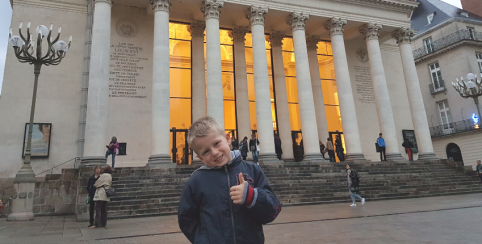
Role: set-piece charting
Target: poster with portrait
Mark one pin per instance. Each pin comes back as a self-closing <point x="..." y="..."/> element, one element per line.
<point x="40" y="140"/>
<point x="410" y="134"/>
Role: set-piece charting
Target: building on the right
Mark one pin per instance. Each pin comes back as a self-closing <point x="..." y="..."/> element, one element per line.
<point x="448" y="45"/>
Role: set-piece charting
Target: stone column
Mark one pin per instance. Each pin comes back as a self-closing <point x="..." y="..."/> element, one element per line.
<point x="419" y="116"/>
<point x="312" y="45"/>
<point x="264" y="119"/>
<point x="382" y="98"/>
<point x="242" y="99"/>
<point x="284" y="126"/>
<point x="215" y="103"/>
<point x="345" y="94"/>
<point x="160" y="156"/>
<point x="198" y="77"/>
<point x="305" y="93"/>
<point x="98" y="94"/>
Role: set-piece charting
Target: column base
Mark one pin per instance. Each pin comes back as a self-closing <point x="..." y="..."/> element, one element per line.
<point x="20" y="216"/>
<point x="395" y="157"/>
<point x="313" y="158"/>
<point x="93" y="161"/>
<point x="288" y="160"/>
<point x="161" y="161"/>
<point x="427" y="156"/>
<point x="268" y="158"/>
<point x="355" y="157"/>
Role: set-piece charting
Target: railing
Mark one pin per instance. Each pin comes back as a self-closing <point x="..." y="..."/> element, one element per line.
<point x="447" y="41"/>
<point x="436" y="88"/>
<point x="452" y="128"/>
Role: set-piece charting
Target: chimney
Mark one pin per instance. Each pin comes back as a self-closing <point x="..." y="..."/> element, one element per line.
<point x="472" y="6"/>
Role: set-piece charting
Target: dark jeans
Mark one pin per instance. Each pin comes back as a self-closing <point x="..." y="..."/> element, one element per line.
<point x="244" y="158"/>
<point x="331" y="153"/>
<point x="100" y="213"/>
<point x="113" y="156"/>
<point x="91" y="211"/>
<point x="341" y="155"/>
<point x="480" y="176"/>
<point x="382" y="150"/>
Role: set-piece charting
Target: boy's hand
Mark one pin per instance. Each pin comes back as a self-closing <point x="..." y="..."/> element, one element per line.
<point x="237" y="191"/>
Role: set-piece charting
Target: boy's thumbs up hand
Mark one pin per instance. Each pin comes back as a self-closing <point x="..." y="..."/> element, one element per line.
<point x="237" y="191"/>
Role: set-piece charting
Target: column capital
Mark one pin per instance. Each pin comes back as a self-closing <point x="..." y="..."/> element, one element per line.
<point x="239" y="33"/>
<point x="276" y="39"/>
<point x="161" y="5"/>
<point x="212" y="8"/>
<point x="370" y="31"/>
<point x="197" y="28"/>
<point x="256" y="14"/>
<point x="105" y="1"/>
<point x="335" y="26"/>
<point x="297" y="21"/>
<point x="312" y="42"/>
<point x="403" y="35"/>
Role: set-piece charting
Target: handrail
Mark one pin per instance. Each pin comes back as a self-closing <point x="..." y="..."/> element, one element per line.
<point x="446" y="41"/>
<point x="452" y="128"/>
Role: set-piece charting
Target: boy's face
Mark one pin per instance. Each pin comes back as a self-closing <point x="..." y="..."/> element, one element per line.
<point x="213" y="149"/>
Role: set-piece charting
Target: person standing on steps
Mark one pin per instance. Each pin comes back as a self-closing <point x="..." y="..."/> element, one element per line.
<point x="91" y="190"/>
<point x="340" y="151"/>
<point x="234" y="144"/>
<point x="330" y="149"/>
<point x="253" y="147"/>
<point x="479" y="170"/>
<point x="381" y="145"/>
<point x="353" y="185"/>
<point x="322" y="149"/>
<point x="104" y="182"/>
<point x="244" y="148"/>
<point x="408" y="148"/>
<point x="112" y="149"/>
<point x="277" y="146"/>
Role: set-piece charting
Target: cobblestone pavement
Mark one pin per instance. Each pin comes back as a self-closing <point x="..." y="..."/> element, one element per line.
<point x="452" y="219"/>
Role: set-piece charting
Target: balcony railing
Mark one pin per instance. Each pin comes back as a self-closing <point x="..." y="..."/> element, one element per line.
<point x="455" y="37"/>
<point x="452" y="128"/>
<point x="437" y="87"/>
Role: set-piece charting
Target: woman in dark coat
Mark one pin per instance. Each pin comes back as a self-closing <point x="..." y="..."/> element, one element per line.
<point x="91" y="190"/>
<point x="340" y="151"/>
<point x="244" y="148"/>
<point x="353" y="185"/>
<point x="408" y="148"/>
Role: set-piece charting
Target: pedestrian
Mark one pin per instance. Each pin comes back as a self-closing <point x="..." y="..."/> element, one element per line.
<point x="340" y="151"/>
<point x="253" y="147"/>
<point x="91" y="190"/>
<point x="330" y="149"/>
<point x="212" y="210"/>
<point x="244" y="148"/>
<point x="277" y="146"/>
<point x="479" y="170"/>
<point x="103" y="182"/>
<point x="112" y="149"/>
<point x="322" y="149"/>
<point x="353" y="185"/>
<point x="408" y="148"/>
<point x="381" y="145"/>
<point x="234" y="144"/>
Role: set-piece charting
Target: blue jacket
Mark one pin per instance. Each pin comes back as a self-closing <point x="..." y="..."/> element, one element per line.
<point x="208" y="215"/>
<point x="381" y="142"/>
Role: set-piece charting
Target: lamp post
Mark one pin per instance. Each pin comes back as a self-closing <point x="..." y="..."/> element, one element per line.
<point x="27" y="51"/>
<point x="470" y="88"/>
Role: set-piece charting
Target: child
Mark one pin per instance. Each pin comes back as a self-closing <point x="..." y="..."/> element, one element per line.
<point x="227" y="200"/>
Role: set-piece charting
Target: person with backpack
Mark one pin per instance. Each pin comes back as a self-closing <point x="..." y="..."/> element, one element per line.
<point x="253" y="147"/>
<point x="408" y="148"/>
<point x="243" y="148"/>
<point x="354" y="185"/>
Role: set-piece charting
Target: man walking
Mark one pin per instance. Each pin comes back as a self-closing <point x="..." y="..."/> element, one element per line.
<point x="381" y="145"/>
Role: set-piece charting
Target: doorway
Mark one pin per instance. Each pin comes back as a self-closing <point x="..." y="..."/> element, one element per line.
<point x="454" y="153"/>
<point x="180" y="153"/>
<point x="298" y="150"/>
<point x="333" y="139"/>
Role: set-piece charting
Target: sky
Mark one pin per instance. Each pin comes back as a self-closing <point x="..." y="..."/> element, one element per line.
<point x="6" y="15"/>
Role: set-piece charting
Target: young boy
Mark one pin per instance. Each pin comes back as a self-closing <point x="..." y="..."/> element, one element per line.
<point x="227" y="200"/>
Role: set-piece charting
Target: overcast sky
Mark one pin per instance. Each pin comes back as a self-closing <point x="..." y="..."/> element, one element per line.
<point x="6" y="15"/>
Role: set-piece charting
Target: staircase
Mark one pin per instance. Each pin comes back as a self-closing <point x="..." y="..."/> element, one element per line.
<point x="144" y="192"/>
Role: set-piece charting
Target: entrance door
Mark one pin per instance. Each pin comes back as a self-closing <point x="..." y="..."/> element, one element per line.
<point x="333" y="139"/>
<point x="298" y="150"/>
<point x="180" y="152"/>
<point x="454" y="153"/>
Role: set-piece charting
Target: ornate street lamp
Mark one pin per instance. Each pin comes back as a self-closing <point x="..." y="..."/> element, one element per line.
<point x="27" y="51"/>
<point x="470" y="88"/>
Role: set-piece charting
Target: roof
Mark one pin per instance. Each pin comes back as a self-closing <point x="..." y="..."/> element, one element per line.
<point x="442" y="12"/>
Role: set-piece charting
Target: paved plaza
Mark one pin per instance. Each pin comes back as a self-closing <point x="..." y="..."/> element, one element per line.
<point x="452" y="219"/>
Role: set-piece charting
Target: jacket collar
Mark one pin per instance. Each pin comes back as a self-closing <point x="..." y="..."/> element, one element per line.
<point x="236" y="158"/>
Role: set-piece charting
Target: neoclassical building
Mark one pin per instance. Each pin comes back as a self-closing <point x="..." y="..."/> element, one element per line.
<point x="143" y="71"/>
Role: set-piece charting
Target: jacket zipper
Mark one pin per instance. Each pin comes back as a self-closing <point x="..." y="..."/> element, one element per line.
<point x="230" y="205"/>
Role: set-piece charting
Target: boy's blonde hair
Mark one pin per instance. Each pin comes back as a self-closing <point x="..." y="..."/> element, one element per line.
<point x="201" y="127"/>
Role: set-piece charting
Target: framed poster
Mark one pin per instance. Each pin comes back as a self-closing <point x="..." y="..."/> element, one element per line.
<point x="40" y="140"/>
<point x="410" y="134"/>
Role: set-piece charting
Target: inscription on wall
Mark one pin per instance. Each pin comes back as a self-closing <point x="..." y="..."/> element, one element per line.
<point x="126" y="66"/>
<point x="364" y="86"/>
